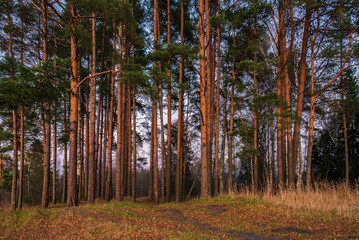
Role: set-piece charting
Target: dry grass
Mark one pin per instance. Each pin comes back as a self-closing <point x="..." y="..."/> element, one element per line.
<point x="337" y="199"/>
<point x="222" y="217"/>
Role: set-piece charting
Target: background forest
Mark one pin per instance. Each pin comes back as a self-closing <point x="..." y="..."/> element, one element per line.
<point x="172" y="99"/>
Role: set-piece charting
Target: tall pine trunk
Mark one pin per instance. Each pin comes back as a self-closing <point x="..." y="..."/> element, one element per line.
<point x="110" y="128"/>
<point x="72" y="199"/>
<point x="119" y="170"/>
<point x="302" y="75"/>
<point x="217" y="107"/>
<point x="203" y="100"/>
<point x="22" y="139"/>
<point x="209" y="97"/>
<point x="47" y="154"/>
<point x="92" y="139"/>
<point x="169" y="100"/>
<point x="14" y="124"/>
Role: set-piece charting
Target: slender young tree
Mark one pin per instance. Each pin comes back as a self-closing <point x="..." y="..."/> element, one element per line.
<point x="119" y="159"/>
<point x="64" y="184"/>
<point x="217" y="106"/>
<point x="180" y="118"/>
<point x="169" y="101"/>
<point x="14" y="120"/>
<point x="54" y="165"/>
<point x="163" y="150"/>
<point x="110" y="128"/>
<point x="22" y="131"/>
<point x="134" y="147"/>
<point x="47" y="140"/>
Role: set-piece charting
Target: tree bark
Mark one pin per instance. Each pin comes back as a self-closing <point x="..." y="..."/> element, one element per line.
<point x="46" y="180"/>
<point x="101" y="170"/>
<point x="91" y="159"/>
<point x="54" y="165"/>
<point x="22" y="156"/>
<point x="119" y="170"/>
<point x="134" y="147"/>
<point x="72" y="199"/>
<point x="129" y="140"/>
<point x="155" y="149"/>
<point x="230" y="145"/>
<point x="311" y="123"/>
<point x="185" y="153"/>
<point x="64" y="188"/>
<point x="302" y="75"/>
<point x="14" y="125"/>
<point x="223" y="144"/>
<point x="209" y="95"/>
<point x="163" y="150"/>
<point x="255" y="114"/>
<point x="22" y="153"/>
<point x="217" y="107"/>
<point x="79" y="148"/>
<point x="110" y="132"/>
<point x="87" y="140"/>
<point x="150" y="188"/>
<point x="154" y="106"/>
<point x="169" y="100"/>
<point x="203" y="100"/>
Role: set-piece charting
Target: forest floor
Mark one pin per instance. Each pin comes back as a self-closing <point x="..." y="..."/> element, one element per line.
<point x="229" y="217"/>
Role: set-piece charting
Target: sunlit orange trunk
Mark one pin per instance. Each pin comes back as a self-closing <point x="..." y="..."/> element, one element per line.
<point x="180" y="118"/>
<point x="209" y="97"/>
<point x="203" y="85"/>
<point x="72" y="199"/>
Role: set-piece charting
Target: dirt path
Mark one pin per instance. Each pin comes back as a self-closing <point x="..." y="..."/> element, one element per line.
<point x="217" y="218"/>
<point x="177" y="215"/>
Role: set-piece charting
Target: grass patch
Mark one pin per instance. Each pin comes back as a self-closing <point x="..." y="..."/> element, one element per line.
<point x="223" y="217"/>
